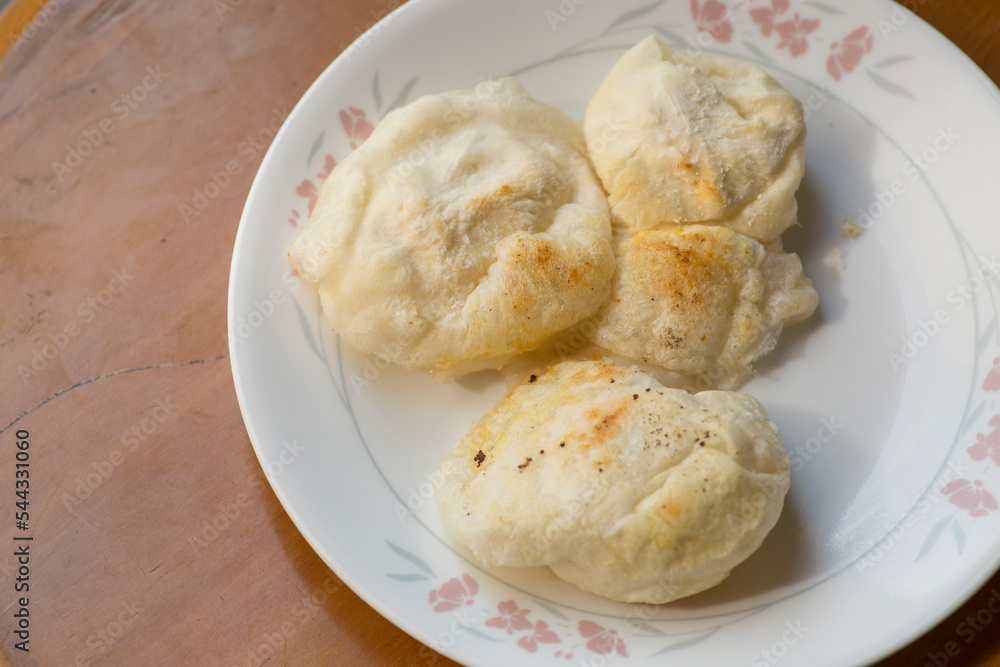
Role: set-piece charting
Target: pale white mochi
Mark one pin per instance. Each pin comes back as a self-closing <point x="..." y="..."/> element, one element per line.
<point x="679" y="139"/>
<point x="621" y="486"/>
<point x="466" y="229"/>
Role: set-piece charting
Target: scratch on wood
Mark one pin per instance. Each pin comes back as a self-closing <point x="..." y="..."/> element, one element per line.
<point x="34" y="321"/>
<point x="104" y="377"/>
<point x="106" y="11"/>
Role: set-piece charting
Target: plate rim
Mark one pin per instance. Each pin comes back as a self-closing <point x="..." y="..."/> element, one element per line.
<point x="973" y="584"/>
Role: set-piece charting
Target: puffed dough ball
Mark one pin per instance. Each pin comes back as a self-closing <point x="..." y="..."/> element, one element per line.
<point x="703" y="302"/>
<point x="621" y="486"/>
<point x="466" y="229"/>
<point x="678" y="139"/>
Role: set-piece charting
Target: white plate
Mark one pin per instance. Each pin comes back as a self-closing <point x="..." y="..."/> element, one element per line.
<point x="892" y="520"/>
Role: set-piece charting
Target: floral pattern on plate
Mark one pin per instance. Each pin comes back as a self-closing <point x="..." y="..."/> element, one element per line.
<point x="771" y="32"/>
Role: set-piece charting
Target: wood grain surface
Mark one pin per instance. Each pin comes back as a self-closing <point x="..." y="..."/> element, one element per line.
<point x="113" y="342"/>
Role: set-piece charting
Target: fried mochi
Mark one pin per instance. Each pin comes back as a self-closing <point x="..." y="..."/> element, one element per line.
<point x="679" y="139"/>
<point x="701" y="302"/>
<point x="466" y="229"/>
<point x="621" y="486"/>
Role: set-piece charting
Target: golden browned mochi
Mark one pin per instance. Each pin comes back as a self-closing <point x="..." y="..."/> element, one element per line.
<point x="678" y="139"/>
<point x="466" y="229"/>
<point x="621" y="486"/>
<point x="703" y="302"/>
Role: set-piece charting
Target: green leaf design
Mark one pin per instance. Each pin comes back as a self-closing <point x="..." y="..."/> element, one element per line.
<point x="971" y="419"/>
<point x="315" y="148"/>
<point x="894" y="60"/>
<point x="482" y="635"/>
<point x="956" y="530"/>
<point x="403" y="94"/>
<point x="932" y="537"/>
<point x="637" y="625"/>
<point x="685" y="643"/>
<point x="549" y="608"/>
<point x="307" y="329"/>
<point x="674" y="40"/>
<point x="337" y="377"/>
<point x="991" y="330"/>
<point x="632" y="15"/>
<point x="824" y="8"/>
<point x="752" y="48"/>
<point x="408" y="577"/>
<point x="410" y="557"/>
<point x="377" y="92"/>
<point x="889" y="86"/>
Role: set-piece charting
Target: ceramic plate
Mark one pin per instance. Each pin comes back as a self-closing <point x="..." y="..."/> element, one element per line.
<point x="886" y="399"/>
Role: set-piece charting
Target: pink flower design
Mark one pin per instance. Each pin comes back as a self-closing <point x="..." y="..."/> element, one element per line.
<point x="971" y="496"/>
<point x="541" y="634"/>
<point x="764" y="16"/>
<point x="601" y="641"/>
<point x="793" y="34"/>
<point x="992" y="381"/>
<point x="356" y="125"/>
<point x="987" y="445"/>
<point x="712" y="17"/>
<point x="308" y="189"/>
<point x="847" y="53"/>
<point x="328" y="166"/>
<point x="510" y="618"/>
<point x="454" y="593"/>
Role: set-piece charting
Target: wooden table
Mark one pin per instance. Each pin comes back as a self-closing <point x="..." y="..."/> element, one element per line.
<point x="156" y="535"/>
